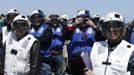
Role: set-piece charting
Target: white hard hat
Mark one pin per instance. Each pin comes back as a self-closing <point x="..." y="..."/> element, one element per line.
<point x="96" y="16"/>
<point x="37" y="12"/>
<point x="13" y="11"/>
<point x="64" y="16"/>
<point x="83" y="12"/>
<point x="20" y="17"/>
<point x="113" y="16"/>
<point x="74" y="16"/>
<point x="102" y="18"/>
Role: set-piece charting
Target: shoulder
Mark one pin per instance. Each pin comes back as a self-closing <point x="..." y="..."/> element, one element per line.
<point x="30" y="37"/>
<point x="103" y="43"/>
<point x="126" y="44"/>
<point x="99" y="46"/>
<point x="5" y="27"/>
<point x="130" y="47"/>
<point x="44" y="25"/>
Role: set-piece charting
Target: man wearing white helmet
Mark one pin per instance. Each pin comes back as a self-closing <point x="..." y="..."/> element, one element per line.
<point x="9" y="18"/>
<point x="22" y="55"/>
<point x="4" y="31"/>
<point x="97" y="21"/>
<point x="43" y="33"/>
<point x="64" y="19"/>
<point x="114" y="56"/>
<point x="64" y="16"/>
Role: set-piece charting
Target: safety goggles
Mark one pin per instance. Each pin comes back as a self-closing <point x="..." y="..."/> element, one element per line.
<point x="10" y="16"/>
<point x="36" y="17"/>
<point x="20" y="24"/>
<point x="115" y="25"/>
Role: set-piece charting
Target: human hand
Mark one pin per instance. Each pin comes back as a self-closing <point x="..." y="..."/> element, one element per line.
<point x="89" y="72"/>
<point x="90" y="23"/>
<point x="79" y="20"/>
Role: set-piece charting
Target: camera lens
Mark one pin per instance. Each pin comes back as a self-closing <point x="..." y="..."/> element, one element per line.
<point x="85" y="20"/>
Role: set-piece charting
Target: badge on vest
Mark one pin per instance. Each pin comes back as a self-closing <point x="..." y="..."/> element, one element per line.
<point x="14" y="52"/>
<point x="90" y="30"/>
<point x="58" y="29"/>
<point x="106" y="63"/>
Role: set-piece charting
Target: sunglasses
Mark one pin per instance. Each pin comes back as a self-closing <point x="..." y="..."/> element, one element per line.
<point x="20" y="23"/>
<point x="115" y="25"/>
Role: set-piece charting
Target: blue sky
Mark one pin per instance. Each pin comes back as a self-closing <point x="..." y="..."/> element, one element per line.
<point x="70" y="7"/>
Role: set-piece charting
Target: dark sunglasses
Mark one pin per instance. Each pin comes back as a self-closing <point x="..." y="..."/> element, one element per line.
<point x="20" y="23"/>
<point x="115" y="25"/>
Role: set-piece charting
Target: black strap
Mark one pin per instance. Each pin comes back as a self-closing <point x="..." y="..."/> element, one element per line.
<point x="106" y="63"/>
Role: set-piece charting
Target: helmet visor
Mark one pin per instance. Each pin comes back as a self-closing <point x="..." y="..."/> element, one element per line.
<point x="36" y="19"/>
<point x="115" y="25"/>
<point x="20" y="24"/>
<point x="10" y="17"/>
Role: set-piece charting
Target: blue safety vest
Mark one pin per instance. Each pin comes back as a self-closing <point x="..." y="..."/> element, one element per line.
<point x="81" y="41"/>
<point x="39" y="33"/>
<point x="132" y="37"/>
<point x="57" y="41"/>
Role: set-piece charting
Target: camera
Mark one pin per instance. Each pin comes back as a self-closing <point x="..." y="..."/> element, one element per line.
<point x="85" y="20"/>
<point x="14" y="52"/>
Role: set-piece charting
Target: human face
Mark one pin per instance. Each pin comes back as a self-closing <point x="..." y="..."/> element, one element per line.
<point x="21" y="29"/>
<point x="113" y="31"/>
<point x="10" y="17"/>
<point x="79" y="20"/>
<point x="37" y="19"/>
<point x="54" y="19"/>
<point x="113" y="36"/>
<point x="82" y="21"/>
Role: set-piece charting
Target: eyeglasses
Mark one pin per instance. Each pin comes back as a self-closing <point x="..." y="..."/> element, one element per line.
<point x="114" y="24"/>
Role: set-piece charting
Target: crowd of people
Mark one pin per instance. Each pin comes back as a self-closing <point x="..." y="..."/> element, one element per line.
<point x="37" y="45"/>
